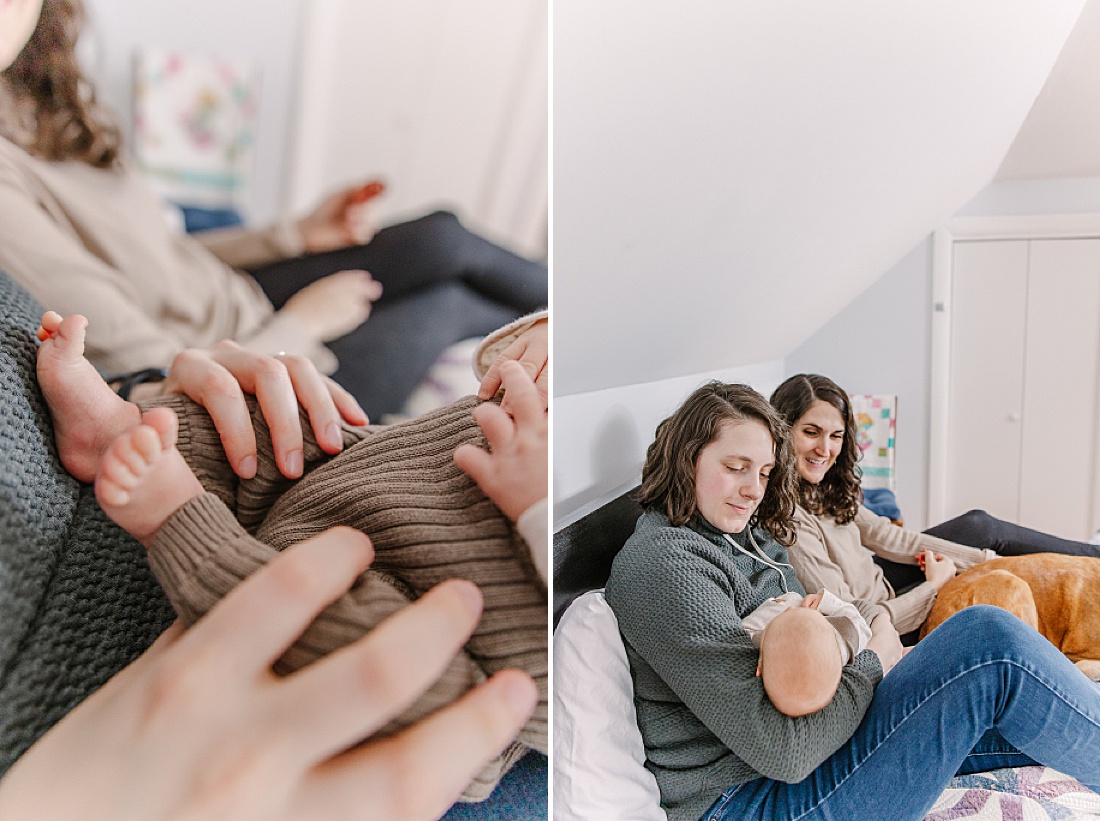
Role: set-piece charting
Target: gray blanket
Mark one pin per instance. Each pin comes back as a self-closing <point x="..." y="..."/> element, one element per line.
<point x="77" y="599"/>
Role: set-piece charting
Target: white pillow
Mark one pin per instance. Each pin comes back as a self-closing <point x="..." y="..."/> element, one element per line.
<point x="599" y="772"/>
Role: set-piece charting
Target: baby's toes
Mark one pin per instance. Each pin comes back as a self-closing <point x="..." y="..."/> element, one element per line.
<point x="109" y="493"/>
<point x="70" y="335"/>
<point x="127" y="461"/>
<point x="48" y="325"/>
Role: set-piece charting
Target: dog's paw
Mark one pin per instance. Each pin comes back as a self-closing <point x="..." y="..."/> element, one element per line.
<point x="1090" y="668"/>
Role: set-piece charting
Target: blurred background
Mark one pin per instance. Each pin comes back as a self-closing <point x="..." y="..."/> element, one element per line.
<point x="263" y="106"/>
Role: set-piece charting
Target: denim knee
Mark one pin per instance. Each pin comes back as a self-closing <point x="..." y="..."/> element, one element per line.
<point x="992" y="629"/>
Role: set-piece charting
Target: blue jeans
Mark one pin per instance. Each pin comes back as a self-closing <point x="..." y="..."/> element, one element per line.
<point x="983" y="691"/>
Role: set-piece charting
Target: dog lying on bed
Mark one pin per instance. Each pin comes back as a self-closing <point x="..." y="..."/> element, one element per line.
<point x="1055" y="594"/>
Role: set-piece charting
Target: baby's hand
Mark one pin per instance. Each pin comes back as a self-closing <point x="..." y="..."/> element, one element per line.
<point x="513" y="473"/>
<point x="813" y="600"/>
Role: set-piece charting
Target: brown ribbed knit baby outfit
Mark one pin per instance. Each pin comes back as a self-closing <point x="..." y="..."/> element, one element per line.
<point x="428" y="522"/>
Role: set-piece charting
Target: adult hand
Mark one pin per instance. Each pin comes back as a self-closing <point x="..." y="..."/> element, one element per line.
<point x="938" y="570"/>
<point x="532" y="350"/>
<point x="343" y="219"/>
<point x="885" y="642"/>
<point x="218" y="377"/>
<point x="335" y="305"/>
<point x="200" y="726"/>
<point x="513" y="474"/>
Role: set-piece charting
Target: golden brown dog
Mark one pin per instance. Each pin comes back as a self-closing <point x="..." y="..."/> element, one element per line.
<point x="1057" y="595"/>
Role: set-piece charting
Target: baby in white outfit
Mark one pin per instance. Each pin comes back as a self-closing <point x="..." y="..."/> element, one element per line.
<point x="804" y="643"/>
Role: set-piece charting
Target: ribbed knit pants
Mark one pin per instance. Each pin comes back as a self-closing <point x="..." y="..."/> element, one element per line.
<point x="428" y="522"/>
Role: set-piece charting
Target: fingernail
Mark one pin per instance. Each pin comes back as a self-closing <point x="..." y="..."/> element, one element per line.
<point x="332" y="433"/>
<point x="294" y="462"/>
<point x="520" y="696"/>
<point x="247" y="468"/>
<point x="469" y="594"/>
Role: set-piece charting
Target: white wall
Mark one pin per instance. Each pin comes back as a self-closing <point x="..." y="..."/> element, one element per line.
<point x="880" y="344"/>
<point x="712" y="158"/>
<point x="600" y="437"/>
<point x="446" y="100"/>
<point x="265" y="32"/>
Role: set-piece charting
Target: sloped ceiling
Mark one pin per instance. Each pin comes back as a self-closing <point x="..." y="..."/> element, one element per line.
<point x="728" y="175"/>
<point x="1061" y="135"/>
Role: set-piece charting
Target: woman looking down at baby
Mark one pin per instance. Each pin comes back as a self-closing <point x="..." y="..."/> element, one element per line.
<point x="982" y="691"/>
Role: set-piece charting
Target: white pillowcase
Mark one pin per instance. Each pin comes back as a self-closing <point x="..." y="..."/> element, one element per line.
<point x="599" y="772"/>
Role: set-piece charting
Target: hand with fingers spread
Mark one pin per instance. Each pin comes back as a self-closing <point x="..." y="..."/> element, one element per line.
<point x="513" y="472"/>
<point x="88" y="416"/>
<point x="200" y="726"/>
<point x="531" y="349"/>
<point x="218" y="377"/>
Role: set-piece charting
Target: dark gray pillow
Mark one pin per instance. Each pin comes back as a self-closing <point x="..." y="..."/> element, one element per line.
<point x="77" y="599"/>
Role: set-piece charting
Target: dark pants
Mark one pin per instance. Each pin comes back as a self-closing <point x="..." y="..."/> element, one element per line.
<point x="441" y="284"/>
<point x="978" y="529"/>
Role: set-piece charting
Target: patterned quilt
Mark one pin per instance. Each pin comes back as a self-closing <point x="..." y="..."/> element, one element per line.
<point x="1018" y="794"/>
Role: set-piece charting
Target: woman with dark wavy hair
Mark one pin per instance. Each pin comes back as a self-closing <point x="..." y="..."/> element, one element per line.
<point x="982" y="691"/>
<point x="84" y="234"/>
<point x="837" y="537"/>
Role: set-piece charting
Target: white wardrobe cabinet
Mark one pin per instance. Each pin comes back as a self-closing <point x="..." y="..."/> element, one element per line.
<point x="1022" y="391"/>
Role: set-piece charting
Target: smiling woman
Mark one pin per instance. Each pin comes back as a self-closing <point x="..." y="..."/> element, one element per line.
<point x="837" y="538"/>
<point x="708" y="551"/>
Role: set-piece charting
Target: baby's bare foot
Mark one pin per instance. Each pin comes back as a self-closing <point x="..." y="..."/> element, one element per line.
<point x="143" y="479"/>
<point x="87" y="415"/>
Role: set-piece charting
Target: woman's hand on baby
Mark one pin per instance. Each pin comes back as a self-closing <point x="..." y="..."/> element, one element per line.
<point x="513" y="472"/>
<point x="885" y="642"/>
<point x="218" y="377"/>
<point x="938" y="570"/>
<point x="200" y="727"/>
<point x="343" y="219"/>
<point x="532" y="350"/>
<point x="335" y="305"/>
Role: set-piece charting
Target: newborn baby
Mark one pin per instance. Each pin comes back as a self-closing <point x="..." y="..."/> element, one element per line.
<point x="804" y="642"/>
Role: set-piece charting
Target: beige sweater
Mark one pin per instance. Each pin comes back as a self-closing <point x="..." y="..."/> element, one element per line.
<point x="96" y="242"/>
<point x="827" y="555"/>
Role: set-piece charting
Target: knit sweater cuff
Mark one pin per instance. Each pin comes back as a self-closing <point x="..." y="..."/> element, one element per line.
<point x="491" y="347"/>
<point x="909" y="610"/>
<point x="868" y="663"/>
<point x="200" y="553"/>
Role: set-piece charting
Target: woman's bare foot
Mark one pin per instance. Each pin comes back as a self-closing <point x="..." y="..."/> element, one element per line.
<point x="87" y="414"/>
<point x="143" y="479"/>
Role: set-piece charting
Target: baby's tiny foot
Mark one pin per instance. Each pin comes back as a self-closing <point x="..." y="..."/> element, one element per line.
<point x="87" y="415"/>
<point x="143" y="479"/>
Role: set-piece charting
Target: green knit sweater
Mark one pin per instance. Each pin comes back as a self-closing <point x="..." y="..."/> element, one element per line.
<point x="679" y="594"/>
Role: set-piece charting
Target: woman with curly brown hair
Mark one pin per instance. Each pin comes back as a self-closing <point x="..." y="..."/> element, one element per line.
<point x="837" y="538"/>
<point x="982" y="691"/>
<point x="84" y="234"/>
